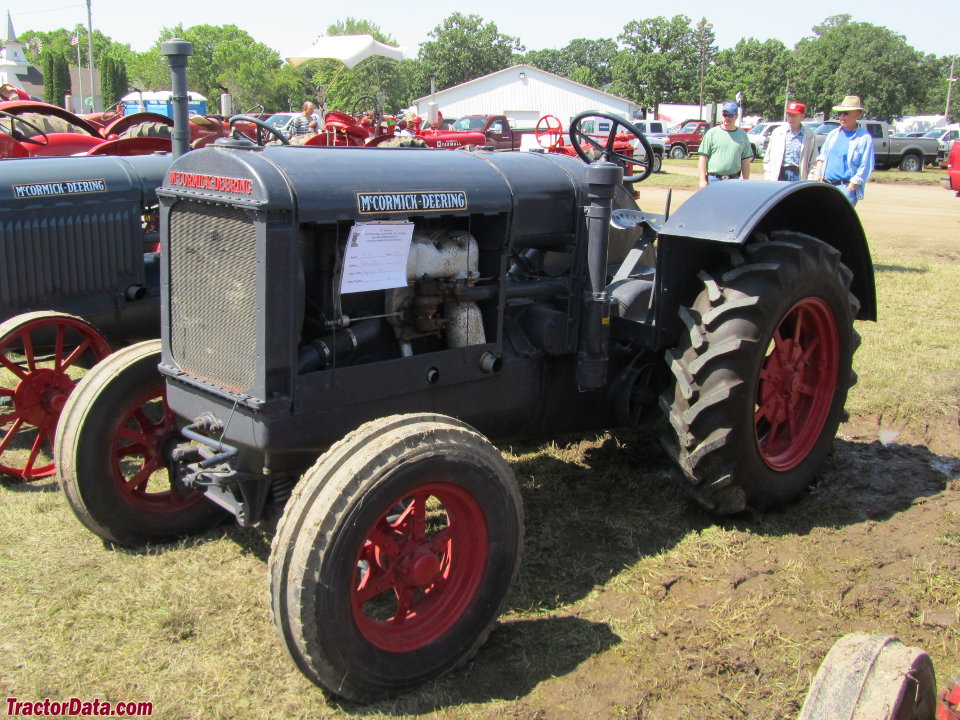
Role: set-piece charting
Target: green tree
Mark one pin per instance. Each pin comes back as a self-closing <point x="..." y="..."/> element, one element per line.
<point x="464" y="47"/>
<point x="757" y="69"/>
<point x="844" y="57"/>
<point x="113" y="80"/>
<point x="56" y="73"/>
<point x="553" y="61"/>
<point x="660" y="61"/>
<point x="224" y="56"/>
<point x="589" y="62"/>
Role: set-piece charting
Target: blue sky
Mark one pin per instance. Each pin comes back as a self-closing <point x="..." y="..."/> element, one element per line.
<point x="934" y="27"/>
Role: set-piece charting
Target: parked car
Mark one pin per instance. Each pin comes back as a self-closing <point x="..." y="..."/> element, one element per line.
<point x="759" y="136"/>
<point x="281" y="121"/>
<point x="910" y="154"/>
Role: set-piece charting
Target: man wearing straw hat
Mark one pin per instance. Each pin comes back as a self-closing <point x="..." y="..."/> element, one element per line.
<point x="846" y="158"/>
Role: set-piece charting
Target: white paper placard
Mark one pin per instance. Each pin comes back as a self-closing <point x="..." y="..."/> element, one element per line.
<point x="376" y="257"/>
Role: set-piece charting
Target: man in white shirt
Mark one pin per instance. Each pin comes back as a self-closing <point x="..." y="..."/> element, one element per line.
<point x="792" y="149"/>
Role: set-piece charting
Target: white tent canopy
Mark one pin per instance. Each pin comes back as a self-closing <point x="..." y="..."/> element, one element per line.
<point x="349" y="49"/>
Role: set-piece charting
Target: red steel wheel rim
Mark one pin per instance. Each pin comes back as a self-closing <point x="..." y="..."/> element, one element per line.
<point x="419" y="567"/>
<point x="136" y="453"/>
<point x="798" y="380"/>
<point x="41" y="387"/>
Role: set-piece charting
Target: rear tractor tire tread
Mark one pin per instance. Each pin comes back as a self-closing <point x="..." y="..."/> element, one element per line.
<point x="717" y="363"/>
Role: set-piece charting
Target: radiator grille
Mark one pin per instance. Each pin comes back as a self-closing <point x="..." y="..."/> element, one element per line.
<point x="213" y="294"/>
<point x="46" y="260"/>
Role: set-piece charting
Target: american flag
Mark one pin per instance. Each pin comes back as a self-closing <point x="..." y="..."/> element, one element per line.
<point x="74" y="40"/>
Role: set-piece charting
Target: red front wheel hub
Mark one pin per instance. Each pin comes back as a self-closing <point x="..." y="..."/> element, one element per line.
<point x="419" y="567"/>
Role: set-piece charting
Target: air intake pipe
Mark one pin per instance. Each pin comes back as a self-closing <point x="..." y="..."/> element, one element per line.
<point x="177" y="53"/>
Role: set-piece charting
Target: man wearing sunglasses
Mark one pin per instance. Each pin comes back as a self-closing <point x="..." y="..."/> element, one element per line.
<point x="846" y="158"/>
<point x="725" y="151"/>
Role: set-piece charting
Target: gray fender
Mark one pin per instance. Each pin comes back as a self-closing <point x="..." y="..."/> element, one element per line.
<point x="729" y="213"/>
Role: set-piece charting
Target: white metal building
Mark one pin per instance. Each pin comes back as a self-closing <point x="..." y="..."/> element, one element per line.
<point x="524" y="94"/>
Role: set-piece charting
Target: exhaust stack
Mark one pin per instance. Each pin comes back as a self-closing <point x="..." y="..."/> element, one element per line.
<point x="177" y="53"/>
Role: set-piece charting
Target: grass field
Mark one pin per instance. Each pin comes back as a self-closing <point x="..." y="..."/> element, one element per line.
<point x="631" y="602"/>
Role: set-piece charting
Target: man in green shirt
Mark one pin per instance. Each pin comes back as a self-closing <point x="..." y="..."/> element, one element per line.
<point x="725" y="151"/>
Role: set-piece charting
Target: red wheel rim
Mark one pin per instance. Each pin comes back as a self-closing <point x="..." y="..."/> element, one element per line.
<point x="137" y="460"/>
<point x="419" y="567"/>
<point x="798" y="380"/>
<point x="43" y="359"/>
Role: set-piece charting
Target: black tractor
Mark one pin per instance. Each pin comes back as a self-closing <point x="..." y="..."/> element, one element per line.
<point x="345" y="330"/>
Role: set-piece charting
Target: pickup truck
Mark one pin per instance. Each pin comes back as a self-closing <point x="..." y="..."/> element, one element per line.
<point x="499" y="130"/>
<point x="687" y="139"/>
<point x="909" y="153"/>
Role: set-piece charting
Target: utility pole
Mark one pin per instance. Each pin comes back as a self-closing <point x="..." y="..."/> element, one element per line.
<point x="93" y="88"/>
<point x="703" y="29"/>
<point x="786" y="99"/>
<point x="950" y="81"/>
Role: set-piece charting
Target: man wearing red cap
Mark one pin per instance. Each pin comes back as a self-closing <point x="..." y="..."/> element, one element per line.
<point x="792" y="150"/>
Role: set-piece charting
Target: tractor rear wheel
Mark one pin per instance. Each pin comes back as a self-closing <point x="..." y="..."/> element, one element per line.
<point x="394" y="556"/>
<point x="148" y="129"/>
<point x="111" y="454"/>
<point x="762" y="374"/>
<point x="404" y="142"/>
<point x="42" y="356"/>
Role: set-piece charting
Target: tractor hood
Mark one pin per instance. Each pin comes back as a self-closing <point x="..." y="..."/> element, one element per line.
<point x="334" y="184"/>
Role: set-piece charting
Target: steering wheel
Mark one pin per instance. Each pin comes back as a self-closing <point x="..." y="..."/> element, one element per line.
<point x="550" y="127"/>
<point x="19" y="136"/>
<point x="606" y="151"/>
<point x="365" y="102"/>
<point x="261" y="126"/>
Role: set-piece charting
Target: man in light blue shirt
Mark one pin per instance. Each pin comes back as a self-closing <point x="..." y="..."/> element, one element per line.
<point x="846" y="158"/>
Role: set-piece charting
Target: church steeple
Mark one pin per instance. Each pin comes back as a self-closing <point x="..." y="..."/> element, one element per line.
<point x="8" y="35"/>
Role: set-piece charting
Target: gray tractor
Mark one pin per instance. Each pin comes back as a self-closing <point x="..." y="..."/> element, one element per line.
<point x="346" y="330"/>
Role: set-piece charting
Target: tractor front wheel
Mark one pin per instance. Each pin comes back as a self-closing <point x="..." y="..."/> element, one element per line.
<point x="762" y="374"/>
<point x="393" y="558"/>
<point x="111" y="454"/>
<point x="42" y="355"/>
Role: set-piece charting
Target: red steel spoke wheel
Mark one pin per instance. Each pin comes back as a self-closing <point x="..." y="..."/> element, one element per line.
<point x="394" y="556"/>
<point x="798" y="380"/>
<point x="111" y="455"/>
<point x="419" y="567"/>
<point x="761" y="373"/>
<point x="138" y="466"/>
<point x="42" y="356"/>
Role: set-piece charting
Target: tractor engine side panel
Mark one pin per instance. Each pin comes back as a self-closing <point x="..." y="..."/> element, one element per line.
<point x="258" y="332"/>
